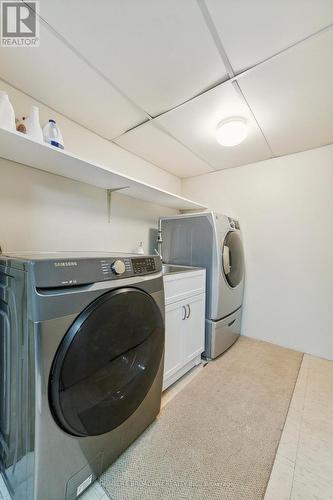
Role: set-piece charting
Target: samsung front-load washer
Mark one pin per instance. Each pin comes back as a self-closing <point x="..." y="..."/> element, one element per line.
<point x="82" y="343"/>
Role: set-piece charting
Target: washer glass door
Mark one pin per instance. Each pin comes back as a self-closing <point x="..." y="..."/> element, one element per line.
<point x="233" y="259"/>
<point x="106" y="362"/>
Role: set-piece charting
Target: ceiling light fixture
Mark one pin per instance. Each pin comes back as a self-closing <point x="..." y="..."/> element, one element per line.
<point x="231" y="131"/>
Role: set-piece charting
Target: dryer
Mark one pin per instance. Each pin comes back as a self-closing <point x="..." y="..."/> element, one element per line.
<point x="212" y="241"/>
<point x="82" y="344"/>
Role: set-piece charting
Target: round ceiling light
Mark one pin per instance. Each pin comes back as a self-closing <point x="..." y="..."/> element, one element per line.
<point x="232" y="131"/>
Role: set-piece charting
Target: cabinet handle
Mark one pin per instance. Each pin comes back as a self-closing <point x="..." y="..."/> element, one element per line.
<point x="189" y="311"/>
<point x="184" y="309"/>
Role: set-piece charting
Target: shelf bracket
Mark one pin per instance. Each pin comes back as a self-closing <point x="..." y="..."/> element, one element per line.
<point x="109" y="199"/>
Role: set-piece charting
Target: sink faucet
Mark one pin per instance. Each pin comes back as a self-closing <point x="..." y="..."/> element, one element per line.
<point x="158" y="251"/>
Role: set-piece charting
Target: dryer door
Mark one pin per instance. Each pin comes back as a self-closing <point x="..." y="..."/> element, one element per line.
<point x="233" y="259"/>
<point x="107" y="362"/>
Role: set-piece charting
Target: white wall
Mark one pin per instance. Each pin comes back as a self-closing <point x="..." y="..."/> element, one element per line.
<point x="285" y="207"/>
<point x="44" y="212"/>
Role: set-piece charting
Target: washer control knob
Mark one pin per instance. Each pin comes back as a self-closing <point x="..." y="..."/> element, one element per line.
<point x="118" y="267"/>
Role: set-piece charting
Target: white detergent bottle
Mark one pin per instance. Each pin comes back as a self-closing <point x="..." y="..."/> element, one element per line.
<point x="140" y="250"/>
<point x="7" y="115"/>
<point x="34" y="130"/>
<point x="52" y="135"/>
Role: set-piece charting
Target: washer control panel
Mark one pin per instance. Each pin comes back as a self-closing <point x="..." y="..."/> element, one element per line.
<point x="118" y="267"/>
<point x="65" y="270"/>
<point x="143" y="265"/>
<point x="129" y="266"/>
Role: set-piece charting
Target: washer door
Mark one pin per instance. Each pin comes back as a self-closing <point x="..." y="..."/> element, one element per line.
<point x="233" y="259"/>
<point x="107" y="362"/>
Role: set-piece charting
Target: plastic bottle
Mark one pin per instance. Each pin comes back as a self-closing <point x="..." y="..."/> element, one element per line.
<point x="52" y="135"/>
<point x="7" y="115"/>
<point x="140" y="249"/>
<point x="34" y="130"/>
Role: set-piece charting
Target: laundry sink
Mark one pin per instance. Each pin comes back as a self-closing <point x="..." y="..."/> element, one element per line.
<point x="170" y="269"/>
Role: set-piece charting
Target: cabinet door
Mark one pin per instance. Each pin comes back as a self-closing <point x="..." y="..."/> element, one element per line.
<point x="174" y="332"/>
<point x="194" y="327"/>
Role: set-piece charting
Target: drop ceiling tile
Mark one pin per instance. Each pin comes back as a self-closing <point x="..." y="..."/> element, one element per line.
<point x="160" y="53"/>
<point x="156" y="146"/>
<point x="55" y="76"/>
<point x="252" y="31"/>
<point x="195" y="123"/>
<point x="292" y="96"/>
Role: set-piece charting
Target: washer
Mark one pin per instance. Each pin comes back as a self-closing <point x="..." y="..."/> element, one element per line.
<point x="212" y="241"/>
<point x="82" y="344"/>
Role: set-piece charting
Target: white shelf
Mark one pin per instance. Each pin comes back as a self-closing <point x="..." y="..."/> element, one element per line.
<point x="17" y="147"/>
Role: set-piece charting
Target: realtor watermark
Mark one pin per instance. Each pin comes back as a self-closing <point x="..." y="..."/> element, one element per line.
<point x="19" y="23"/>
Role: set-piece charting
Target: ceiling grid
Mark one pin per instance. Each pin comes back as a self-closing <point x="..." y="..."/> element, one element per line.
<point x="219" y="45"/>
<point x="182" y="113"/>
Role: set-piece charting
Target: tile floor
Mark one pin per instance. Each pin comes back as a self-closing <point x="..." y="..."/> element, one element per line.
<point x="303" y="468"/>
<point x="95" y="492"/>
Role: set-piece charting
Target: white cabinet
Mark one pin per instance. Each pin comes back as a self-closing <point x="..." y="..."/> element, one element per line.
<point x="173" y="353"/>
<point x="194" y="327"/>
<point x="184" y="323"/>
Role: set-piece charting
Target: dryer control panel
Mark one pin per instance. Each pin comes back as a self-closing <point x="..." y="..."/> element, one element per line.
<point x="234" y="224"/>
